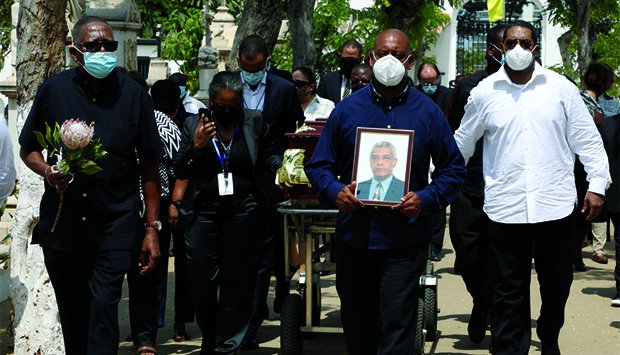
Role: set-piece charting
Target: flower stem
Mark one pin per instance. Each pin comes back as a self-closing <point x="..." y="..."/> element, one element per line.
<point x="62" y="202"/>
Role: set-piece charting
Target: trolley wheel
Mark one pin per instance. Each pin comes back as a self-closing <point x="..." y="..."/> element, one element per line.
<point x="419" y="329"/>
<point x="430" y="313"/>
<point x="291" y="340"/>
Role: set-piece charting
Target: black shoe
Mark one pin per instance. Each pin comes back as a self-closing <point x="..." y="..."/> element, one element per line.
<point x="580" y="267"/>
<point x="435" y="256"/>
<point x="477" y="326"/>
<point x="249" y="345"/>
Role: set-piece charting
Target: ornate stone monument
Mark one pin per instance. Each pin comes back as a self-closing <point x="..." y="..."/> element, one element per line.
<point x="207" y="59"/>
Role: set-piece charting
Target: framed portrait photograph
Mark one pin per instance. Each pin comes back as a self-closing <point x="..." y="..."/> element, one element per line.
<point x="382" y="165"/>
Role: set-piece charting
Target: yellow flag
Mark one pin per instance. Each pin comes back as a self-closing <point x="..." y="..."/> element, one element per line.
<point x="496" y="10"/>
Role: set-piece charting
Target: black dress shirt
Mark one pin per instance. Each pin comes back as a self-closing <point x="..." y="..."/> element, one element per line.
<point x="100" y="211"/>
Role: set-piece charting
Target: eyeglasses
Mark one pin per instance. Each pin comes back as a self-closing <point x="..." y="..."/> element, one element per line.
<point x="300" y="83"/>
<point x="524" y="43"/>
<point x="108" y="46"/>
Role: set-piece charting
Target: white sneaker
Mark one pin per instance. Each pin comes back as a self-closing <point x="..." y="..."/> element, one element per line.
<point x="616" y="301"/>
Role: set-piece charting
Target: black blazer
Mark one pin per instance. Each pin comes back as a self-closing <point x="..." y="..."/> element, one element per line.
<point x="610" y="132"/>
<point x="281" y="110"/>
<point x="188" y="163"/>
<point x="330" y="86"/>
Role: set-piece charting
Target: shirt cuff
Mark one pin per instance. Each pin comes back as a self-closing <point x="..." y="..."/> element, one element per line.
<point x="598" y="186"/>
<point x="333" y="190"/>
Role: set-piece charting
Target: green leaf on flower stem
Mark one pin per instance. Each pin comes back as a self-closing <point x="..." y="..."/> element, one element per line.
<point x="89" y="167"/>
<point x="64" y="166"/>
<point x="41" y="139"/>
<point x="48" y="134"/>
<point x="75" y="155"/>
<point x="57" y="138"/>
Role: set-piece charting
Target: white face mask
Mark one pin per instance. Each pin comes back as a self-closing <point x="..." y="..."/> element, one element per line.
<point x="388" y="70"/>
<point x="518" y="58"/>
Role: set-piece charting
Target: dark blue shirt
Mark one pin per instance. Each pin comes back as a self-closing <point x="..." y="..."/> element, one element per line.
<point x="100" y="212"/>
<point x="380" y="227"/>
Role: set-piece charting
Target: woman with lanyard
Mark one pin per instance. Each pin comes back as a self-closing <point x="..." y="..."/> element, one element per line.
<point x="225" y="157"/>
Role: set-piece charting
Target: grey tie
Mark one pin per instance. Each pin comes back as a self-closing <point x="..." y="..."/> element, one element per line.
<point x="377" y="195"/>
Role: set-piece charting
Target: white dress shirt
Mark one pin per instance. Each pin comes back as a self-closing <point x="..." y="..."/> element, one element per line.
<point x="7" y="166"/>
<point x="318" y="108"/>
<point x="191" y="104"/>
<point x="531" y="135"/>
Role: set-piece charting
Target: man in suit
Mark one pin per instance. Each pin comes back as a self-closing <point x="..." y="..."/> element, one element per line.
<point x="609" y="127"/>
<point x="278" y="100"/>
<point x="383" y="186"/>
<point x="336" y="85"/>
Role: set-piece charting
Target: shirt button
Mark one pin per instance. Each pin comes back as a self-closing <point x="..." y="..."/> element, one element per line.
<point x="84" y="194"/>
<point x="83" y="219"/>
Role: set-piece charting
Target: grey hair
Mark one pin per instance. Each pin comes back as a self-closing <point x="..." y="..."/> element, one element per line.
<point x="384" y="144"/>
<point x="225" y="80"/>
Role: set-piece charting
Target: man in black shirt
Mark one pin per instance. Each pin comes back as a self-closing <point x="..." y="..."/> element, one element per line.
<point x="468" y="223"/>
<point x="97" y="236"/>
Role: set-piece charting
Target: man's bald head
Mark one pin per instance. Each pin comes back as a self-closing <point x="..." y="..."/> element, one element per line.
<point x="390" y="36"/>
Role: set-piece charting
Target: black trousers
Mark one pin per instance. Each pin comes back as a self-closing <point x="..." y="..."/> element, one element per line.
<point x="552" y="245"/>
<point x="183" y="308"/>
<point x="378" y="292"/>
<point x="88" y="288"/>
<point x="145" y="291"/>
<point x="439" y="228"/>
<point x="615" y="219"/>
<point x="470" y="239"/>
<point x="271" y="261"/>
<point x="223" y="244"/>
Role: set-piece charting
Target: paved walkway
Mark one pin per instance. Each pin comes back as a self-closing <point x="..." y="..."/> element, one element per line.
<point x="592" y="326"/>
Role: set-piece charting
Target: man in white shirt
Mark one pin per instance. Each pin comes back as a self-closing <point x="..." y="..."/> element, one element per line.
<point x="533" y="122"/>
<point x="7" y="166"/>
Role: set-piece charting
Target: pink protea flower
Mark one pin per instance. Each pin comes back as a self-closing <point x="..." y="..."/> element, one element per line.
<point x="76" y="134"/>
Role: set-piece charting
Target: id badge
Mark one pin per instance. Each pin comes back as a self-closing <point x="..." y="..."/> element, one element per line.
<point x="225" y="184"/>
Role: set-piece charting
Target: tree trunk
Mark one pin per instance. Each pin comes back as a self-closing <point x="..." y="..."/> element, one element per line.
<point x="41" y="30"/>
<point x="262" y="18"/>
<point x="300" y="26"/>
<point x="564" y="43"/>
<point x="584" y="50"/>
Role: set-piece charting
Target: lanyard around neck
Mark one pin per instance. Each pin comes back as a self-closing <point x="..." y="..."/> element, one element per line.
<point x="223" y="156"/>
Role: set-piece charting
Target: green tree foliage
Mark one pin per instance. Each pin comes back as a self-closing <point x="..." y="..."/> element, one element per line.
<point x="5" y="29"/>
<point x="335" y="22"/>
<point x="604" y="24"/>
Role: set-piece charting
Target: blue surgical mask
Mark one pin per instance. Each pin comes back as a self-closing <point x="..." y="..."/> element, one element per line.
<point x="254" y="78"/>
<point x="429" y="89"/>
<point x="183" y="91"/>
<point x="501" y="62"/>
<point x="98" y="64"/>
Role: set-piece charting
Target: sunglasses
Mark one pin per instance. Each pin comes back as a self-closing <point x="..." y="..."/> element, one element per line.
<point x="300" y="83"/>
<point x="108" y="46"/>
<point x="225" y="108"/>
<point x="524" y="43"/>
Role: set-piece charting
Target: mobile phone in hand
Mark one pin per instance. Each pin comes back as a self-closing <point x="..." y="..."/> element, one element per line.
<point x="205" y="115"/>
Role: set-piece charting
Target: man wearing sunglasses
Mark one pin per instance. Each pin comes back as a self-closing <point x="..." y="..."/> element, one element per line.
<point x="99" y="234"/>
<point x="532" y="122"/>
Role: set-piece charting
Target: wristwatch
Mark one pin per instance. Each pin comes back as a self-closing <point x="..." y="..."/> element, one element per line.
<point x="176" y="204"/>
<point x="153" y="224"/>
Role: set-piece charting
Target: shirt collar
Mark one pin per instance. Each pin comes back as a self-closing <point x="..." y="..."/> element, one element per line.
<point x="503" y="75"/>
<point x="399" y="100"/>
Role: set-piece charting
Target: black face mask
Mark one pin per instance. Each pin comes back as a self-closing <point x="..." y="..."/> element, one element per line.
<point x="596" y="87"/>
<point x="347" y="64"/>
<point x="227" y="118"/>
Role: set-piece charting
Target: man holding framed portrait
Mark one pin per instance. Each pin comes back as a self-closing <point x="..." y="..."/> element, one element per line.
<point x="382" y="244"/>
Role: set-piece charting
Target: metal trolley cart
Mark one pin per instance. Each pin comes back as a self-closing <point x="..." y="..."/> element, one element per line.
<point x="301" y="312"/>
